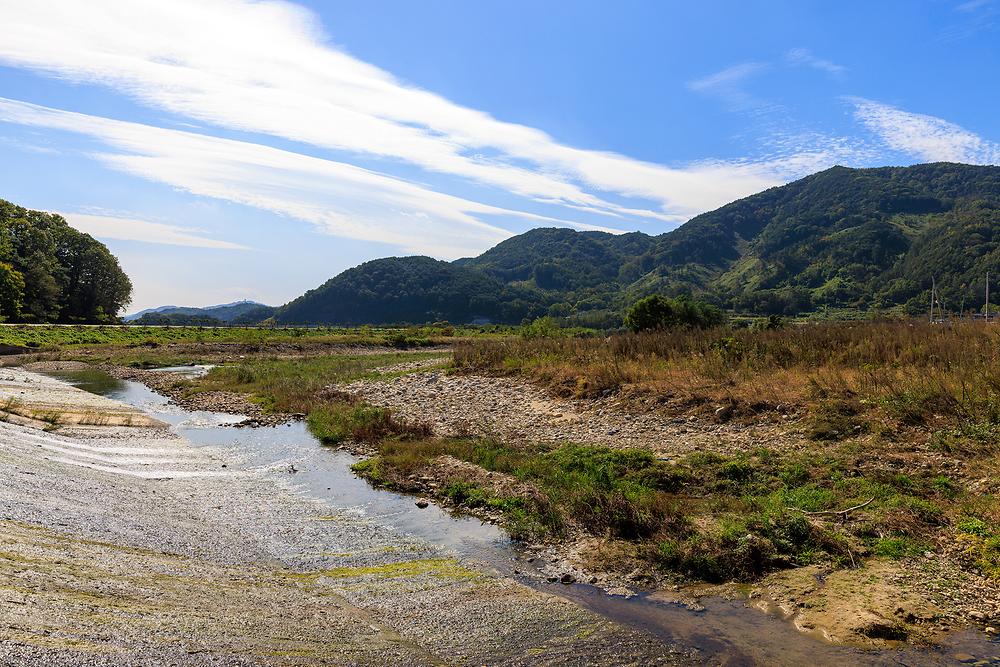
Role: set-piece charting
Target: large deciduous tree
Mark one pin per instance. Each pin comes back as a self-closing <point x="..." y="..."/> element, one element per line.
<point x="50" y="272"/>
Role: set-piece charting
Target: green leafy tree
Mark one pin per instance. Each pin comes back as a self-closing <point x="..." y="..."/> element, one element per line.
<point x="11" y="292"/>
<point x="653" y="312"/>
<point x="659" y="312"/>
<point x="63" y="275"/>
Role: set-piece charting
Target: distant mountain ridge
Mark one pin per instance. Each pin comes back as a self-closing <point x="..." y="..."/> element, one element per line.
<point x="840" y="238"/>
<point x="242" y="312"/>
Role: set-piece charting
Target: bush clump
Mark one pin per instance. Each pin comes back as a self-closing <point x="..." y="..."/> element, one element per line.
<point x="658" y="312"/>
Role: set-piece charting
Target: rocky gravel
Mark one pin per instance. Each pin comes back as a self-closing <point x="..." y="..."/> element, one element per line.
<point x="516" y="410"/>
<point x="126" y="545"/>
<point x="174" y="386"/>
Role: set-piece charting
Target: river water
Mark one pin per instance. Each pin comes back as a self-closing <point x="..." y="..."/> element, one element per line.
<point x="725" y="632"/>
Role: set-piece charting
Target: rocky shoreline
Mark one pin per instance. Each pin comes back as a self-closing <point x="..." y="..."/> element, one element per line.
<point x="942" y="595"/>
<point x="128" y="546"/>
<point x="177" y="389"/>
<point x="922" y="599"/>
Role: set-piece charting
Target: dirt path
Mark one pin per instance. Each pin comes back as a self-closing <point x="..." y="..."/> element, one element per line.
<point x="126" y="545"/>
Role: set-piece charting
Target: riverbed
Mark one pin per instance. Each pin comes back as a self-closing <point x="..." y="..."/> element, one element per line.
<point x="723" y="632"/>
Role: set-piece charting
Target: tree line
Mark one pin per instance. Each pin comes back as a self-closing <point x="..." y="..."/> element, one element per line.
<point x="50" y="272"/>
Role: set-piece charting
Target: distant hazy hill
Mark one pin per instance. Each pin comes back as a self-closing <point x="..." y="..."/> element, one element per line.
<point x="239" y="312"/>
<point x="858" y="238"/>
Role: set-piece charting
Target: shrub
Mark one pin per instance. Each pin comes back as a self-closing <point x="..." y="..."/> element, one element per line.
<point x="542" y="327"/>
<point x="334" y="423"/>
<point x="658" y="312"/>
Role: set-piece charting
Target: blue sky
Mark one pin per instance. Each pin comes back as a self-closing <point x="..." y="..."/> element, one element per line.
<point x="235" y="149"/>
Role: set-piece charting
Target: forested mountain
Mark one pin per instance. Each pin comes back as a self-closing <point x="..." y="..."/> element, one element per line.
<point x="411" y="289"/>
<point x="561" y="259"/>
<point x="239" y="312"/>
<point x="843" y="238"/>
<point x="50" y="272"/>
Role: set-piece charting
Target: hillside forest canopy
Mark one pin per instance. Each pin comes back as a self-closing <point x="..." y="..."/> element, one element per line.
<point x="841" y="240"/>
<point x="840" y="243"/>
<point x="50" y="272"/>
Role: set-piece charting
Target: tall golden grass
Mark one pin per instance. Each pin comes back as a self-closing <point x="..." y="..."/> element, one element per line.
<point x="914" y="369"/>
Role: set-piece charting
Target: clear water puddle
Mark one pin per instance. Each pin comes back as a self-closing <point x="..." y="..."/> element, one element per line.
<point x="727" y="633"/>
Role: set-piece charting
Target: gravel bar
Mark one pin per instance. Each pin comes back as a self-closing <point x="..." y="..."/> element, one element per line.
<point x="126" y="545"/>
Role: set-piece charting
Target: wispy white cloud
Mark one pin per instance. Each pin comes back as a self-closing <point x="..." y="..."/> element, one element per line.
<point x="808" y="58"/>
<point x="27" y="146"/>
<point x="339" y="198"/>
<point x="728" y="84"/>
<point x="130" y="229"/>
<point x="972" y="17"/>
<point x="972" y="6"/>
<point x="270" y="71"/>
<point x="174" y="56"/>
<point x="924" y="137"/>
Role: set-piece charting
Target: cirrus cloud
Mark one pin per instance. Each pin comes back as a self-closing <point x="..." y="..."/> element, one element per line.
<point x="927" y="138"/>
<point x="271" y="72"/>
<point x="144" y="231"/>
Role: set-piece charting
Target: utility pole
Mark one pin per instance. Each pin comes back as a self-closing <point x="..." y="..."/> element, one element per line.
<point x="933" y="294"/>
<point x="987" y="297"/>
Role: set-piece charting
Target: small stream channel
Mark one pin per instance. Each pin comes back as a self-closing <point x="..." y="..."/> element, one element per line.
<point x="725" y="632"/>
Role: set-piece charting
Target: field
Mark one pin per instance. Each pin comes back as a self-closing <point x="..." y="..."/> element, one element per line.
<point x="149" y="347"/>
<point x="917" y="374"/>
<point x="52" y="337"/>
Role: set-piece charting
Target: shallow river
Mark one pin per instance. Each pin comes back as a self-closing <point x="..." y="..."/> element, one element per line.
<point x="727" y="633"/>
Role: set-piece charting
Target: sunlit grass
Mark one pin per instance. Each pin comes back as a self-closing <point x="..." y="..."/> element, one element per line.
<point x="303" y="385"/>
<point x="43" y="338"/>
<point x="913" y="372"/>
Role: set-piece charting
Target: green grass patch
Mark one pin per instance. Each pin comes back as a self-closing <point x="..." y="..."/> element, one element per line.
<point x="302" y="385"/>
<point x="980" y="542"/>
<point x="708" y="516"/>
<point x="54" y="337"/>
<point x="897" y="547"/>
<point x="335" y="423"/>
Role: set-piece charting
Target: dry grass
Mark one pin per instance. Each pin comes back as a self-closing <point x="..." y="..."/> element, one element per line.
<point x="916" y="372"/>
<point x="926" y="397"/>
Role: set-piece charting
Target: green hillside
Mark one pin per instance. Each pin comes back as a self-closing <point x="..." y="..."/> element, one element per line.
<point x="562" y="259"/>
<point x="842" y="238"/>
<point x="411" y="289"/>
